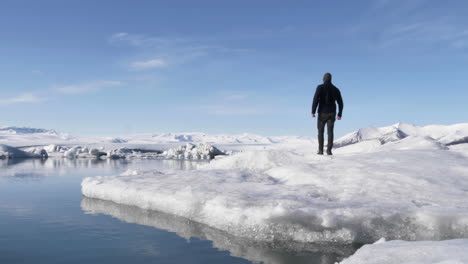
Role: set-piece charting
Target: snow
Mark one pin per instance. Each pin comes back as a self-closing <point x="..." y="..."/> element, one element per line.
<point x="8" y="152"/>
<point x="192" y="151"/>
<point x="24" y="136"/>
<point x="219" y="139"/>
<point x="444" y="134"/>
<point x="118" y="140"/>
<point x="26" y="130"/>
<point x="33" y="136"/>
<point x="401" y="182"/>
<point x="410" y="189"/>
<point x="188" y="151"/>
<point x="421" y="252"/>
<point x="447" y="135"/>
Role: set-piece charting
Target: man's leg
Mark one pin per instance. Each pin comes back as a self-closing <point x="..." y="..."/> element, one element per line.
<point x="330" y="127"/>
<point x="321" y="128"/>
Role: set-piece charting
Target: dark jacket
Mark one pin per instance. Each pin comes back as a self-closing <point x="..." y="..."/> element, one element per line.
<point x="325" y="97"/>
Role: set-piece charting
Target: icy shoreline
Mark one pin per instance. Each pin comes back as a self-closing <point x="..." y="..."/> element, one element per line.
<point x="188" y="151"/>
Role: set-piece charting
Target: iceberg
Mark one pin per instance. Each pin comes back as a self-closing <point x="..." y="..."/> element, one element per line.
<point x="411" y="189"/>
<point x="9" y="152"/>
<point x="192" y="151"/>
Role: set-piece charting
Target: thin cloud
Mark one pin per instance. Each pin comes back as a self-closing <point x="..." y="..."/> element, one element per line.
<point x="176" y="50"/>
<point x="230" y="96"/>
<point x="408" y="24"/>
<point x="148" y="64"/>
<point x="428" y="32"/>
<point x="140" y="40"/>
<point x="23" y="98"/>
<point x="87" y="87"/>
<point x="37" y="72"/>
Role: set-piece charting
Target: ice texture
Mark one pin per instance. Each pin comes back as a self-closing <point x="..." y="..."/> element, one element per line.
<point x="256" y="251"/>
<point x="187" y="151"/>
<point x="9" y="152"/>
<point x="420" y="252"/>
<point x="192" y="151"/>
<point x="412" y="189"/>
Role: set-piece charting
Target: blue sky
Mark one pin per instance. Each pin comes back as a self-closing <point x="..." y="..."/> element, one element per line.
<point x="118" y="67"/>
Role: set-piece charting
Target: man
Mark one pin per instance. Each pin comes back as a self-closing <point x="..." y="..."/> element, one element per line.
<point x="325" y="98"/>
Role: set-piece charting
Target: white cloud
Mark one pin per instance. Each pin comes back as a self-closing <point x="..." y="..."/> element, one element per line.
<point x="87" y="87"/>
<point x="23" y="98"/>
<point x="148" y="64"/>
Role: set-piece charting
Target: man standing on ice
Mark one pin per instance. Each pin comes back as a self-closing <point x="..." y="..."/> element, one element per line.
<point x="326" y="96"/>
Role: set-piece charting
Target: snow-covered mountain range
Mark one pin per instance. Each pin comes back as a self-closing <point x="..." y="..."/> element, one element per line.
<point x="447" y="135"/>
<point x="23" y="136"/>
<point x="26" y="130"/>
<point x="443" y="134"/>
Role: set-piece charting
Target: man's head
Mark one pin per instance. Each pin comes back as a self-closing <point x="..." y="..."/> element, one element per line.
<point x="327" y="77"/>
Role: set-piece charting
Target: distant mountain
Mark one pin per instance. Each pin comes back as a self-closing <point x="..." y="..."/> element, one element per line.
<point x="447" y="135"/>
<point x="443" y="134"/>
<point x="207" y="138"/>
<point x="26" y="130"/>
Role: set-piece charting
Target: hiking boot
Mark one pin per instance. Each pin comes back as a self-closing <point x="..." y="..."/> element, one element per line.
<point x="329" y="153"/>
<point x="320" y="152"/>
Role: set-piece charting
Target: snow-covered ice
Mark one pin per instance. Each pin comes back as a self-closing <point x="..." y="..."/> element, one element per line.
<point x="412" y="189"/>
<point x="198" y="151"/>
<point x="192" y="151"/>
<point x="9" y="152"/>
<point x="400" y="182"/>
<point x="421" y="252"/>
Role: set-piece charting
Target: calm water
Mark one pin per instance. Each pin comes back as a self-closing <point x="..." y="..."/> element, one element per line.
<point x="45" y="219"/>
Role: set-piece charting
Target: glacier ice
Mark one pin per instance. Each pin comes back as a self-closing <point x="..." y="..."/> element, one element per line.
<point x="291" y="194"/>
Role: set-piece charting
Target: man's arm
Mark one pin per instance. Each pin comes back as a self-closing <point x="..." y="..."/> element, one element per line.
<point x="316" y="100"/>
<point x="339" y="99"/>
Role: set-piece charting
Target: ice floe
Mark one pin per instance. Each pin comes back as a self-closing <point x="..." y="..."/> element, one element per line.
<point x="192" y="151"/>
<point x="9" y="152"/>
<point x="421" y="252"/>
<point x="199" y="151"/>
<point x="291" y="194"/>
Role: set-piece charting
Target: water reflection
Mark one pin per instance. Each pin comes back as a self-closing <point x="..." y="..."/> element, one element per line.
<point x="271" y="253"/>
<point x="56" y="188"/>
<point x="36" y="168"/>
